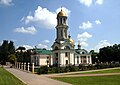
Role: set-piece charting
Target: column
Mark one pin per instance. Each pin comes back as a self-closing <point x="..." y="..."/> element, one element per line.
<point x="90" y="60"/>
<point x="87" y="59"/>
<point x="32" y="67"/>
<point x="19" y="65"/>
<point x="28" y="66"/>
<point x="24" y="66"/>
<point x="79" y="59"/>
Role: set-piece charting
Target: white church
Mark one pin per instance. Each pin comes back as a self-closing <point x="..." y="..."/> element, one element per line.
<point x="63" y="51"/>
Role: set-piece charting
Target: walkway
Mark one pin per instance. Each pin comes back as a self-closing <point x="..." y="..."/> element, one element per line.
<point x="76" y="74"/>
<point x="33" y="79"/>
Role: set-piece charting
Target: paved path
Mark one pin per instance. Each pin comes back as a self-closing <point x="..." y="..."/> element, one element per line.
<point x="78" y="75"/>
<point x="75" y="74"/>
<point x="33" y="79"/>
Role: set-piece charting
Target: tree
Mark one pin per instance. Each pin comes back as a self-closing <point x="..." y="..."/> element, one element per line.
<point x="110" y="53"/>
<point x="94" y="56"/>
<point x="6" y="49"/>
<point x="11" y="47"/>
<point x="12" y="58"/>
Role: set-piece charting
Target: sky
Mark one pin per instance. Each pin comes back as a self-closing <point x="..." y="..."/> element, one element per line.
<point x="29" y="23"/>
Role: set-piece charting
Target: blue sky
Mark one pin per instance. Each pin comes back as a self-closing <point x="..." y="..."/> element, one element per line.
<point x="29" y="23"/>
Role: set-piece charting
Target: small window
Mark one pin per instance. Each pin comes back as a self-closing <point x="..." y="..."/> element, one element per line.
<point x="66" y="54"/>
<point x="56" y="48"/>
<point x="66" y="61"/>
<point x="83" y="52"/>
<point x="67" y="47"/>
<point x="56" y="54"/>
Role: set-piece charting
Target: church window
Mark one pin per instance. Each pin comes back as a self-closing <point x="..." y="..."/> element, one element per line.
<point x="56" y="48"/>
<point x="56" y="54"/>
<point x="61" y="33"/>
<point x="64" y="21"/>
<point x="83" y="52"/>
<point x="66" y="61"/>
<point x="61" y="20"/>
<point x="67" y="47"/>
<point x="66" y="54"/>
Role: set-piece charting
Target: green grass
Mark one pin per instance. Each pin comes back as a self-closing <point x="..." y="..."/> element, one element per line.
<point x="98" y="72"/>
<point x="93" y="80"/>
<point x="7" y="78"/>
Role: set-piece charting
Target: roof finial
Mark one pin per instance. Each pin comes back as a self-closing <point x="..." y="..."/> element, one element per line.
<point x="61" y="8"/>
<point x="79" y="46"/>
<point x="69" y="35"/>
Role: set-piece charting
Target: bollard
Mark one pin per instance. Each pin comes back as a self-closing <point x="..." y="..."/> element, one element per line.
<point x="32" y="67"/>
<point x="28" y="66"/>
<point x="24" y="66"/>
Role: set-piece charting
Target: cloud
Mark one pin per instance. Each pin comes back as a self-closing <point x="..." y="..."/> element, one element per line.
<point x="42" y="46"/>
<point x="86" y="2"/>
<point x="27" y="47"/>
<point x="101" y="44"/>
<point x="99" y="2"/>
<point x="28" y="30"/>
<point x="46" y="41"/>
<point x="84" y="36"/>
<point x="97" y="21"/>
<point x="84" y="44"/>
<point x="86" y="25"/>
<point x="43" y="17"/>
<point x="6" y="2"/>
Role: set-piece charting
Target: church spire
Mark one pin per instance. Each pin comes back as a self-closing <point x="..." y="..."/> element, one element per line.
<point x="79" y="46"/>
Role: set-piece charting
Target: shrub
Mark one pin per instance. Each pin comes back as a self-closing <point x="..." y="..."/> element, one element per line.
<point x="67" y="69"/>
<point x="73" y="68"/>
<point x="43" y="70"/>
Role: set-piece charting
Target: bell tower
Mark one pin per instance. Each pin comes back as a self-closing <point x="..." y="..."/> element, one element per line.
<point x="62" y="27"/>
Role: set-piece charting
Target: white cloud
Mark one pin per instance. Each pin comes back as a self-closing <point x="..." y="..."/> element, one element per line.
<point x="86" y="25"/>
<point x="101" y="44"/>
<point x="84" y="36"/>
<point x="28" y="30"/>
<point x="46" y="41"/>
<point x="42" y="46"/>
<point x="6" y="2"/>
<point x="99" y="2"/>
<point x="27" y="47"/>
<point x="84" y="44"/>
<point x="43" y="17"/>
<point x="97" y="21"/>
<point x="86" y="2"/>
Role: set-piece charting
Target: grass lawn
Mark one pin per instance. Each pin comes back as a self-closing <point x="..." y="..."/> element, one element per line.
<point x="7" y="78"/>
<point x="93" y="80"/>
<point x="99" y="72"/>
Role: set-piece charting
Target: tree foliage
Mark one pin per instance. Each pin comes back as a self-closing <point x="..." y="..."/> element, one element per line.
<point x="110" y="53"/>
<point x="6" y="49"/>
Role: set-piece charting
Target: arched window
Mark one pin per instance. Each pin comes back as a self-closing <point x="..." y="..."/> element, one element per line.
<point x="56" y="48"/>
<point x="67" y="47"/>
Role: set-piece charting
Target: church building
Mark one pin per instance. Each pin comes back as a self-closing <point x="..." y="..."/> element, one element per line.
<point x="63" y="51"/>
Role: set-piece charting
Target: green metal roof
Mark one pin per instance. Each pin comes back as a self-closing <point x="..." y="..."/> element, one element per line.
<point x="41" y="51"/>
